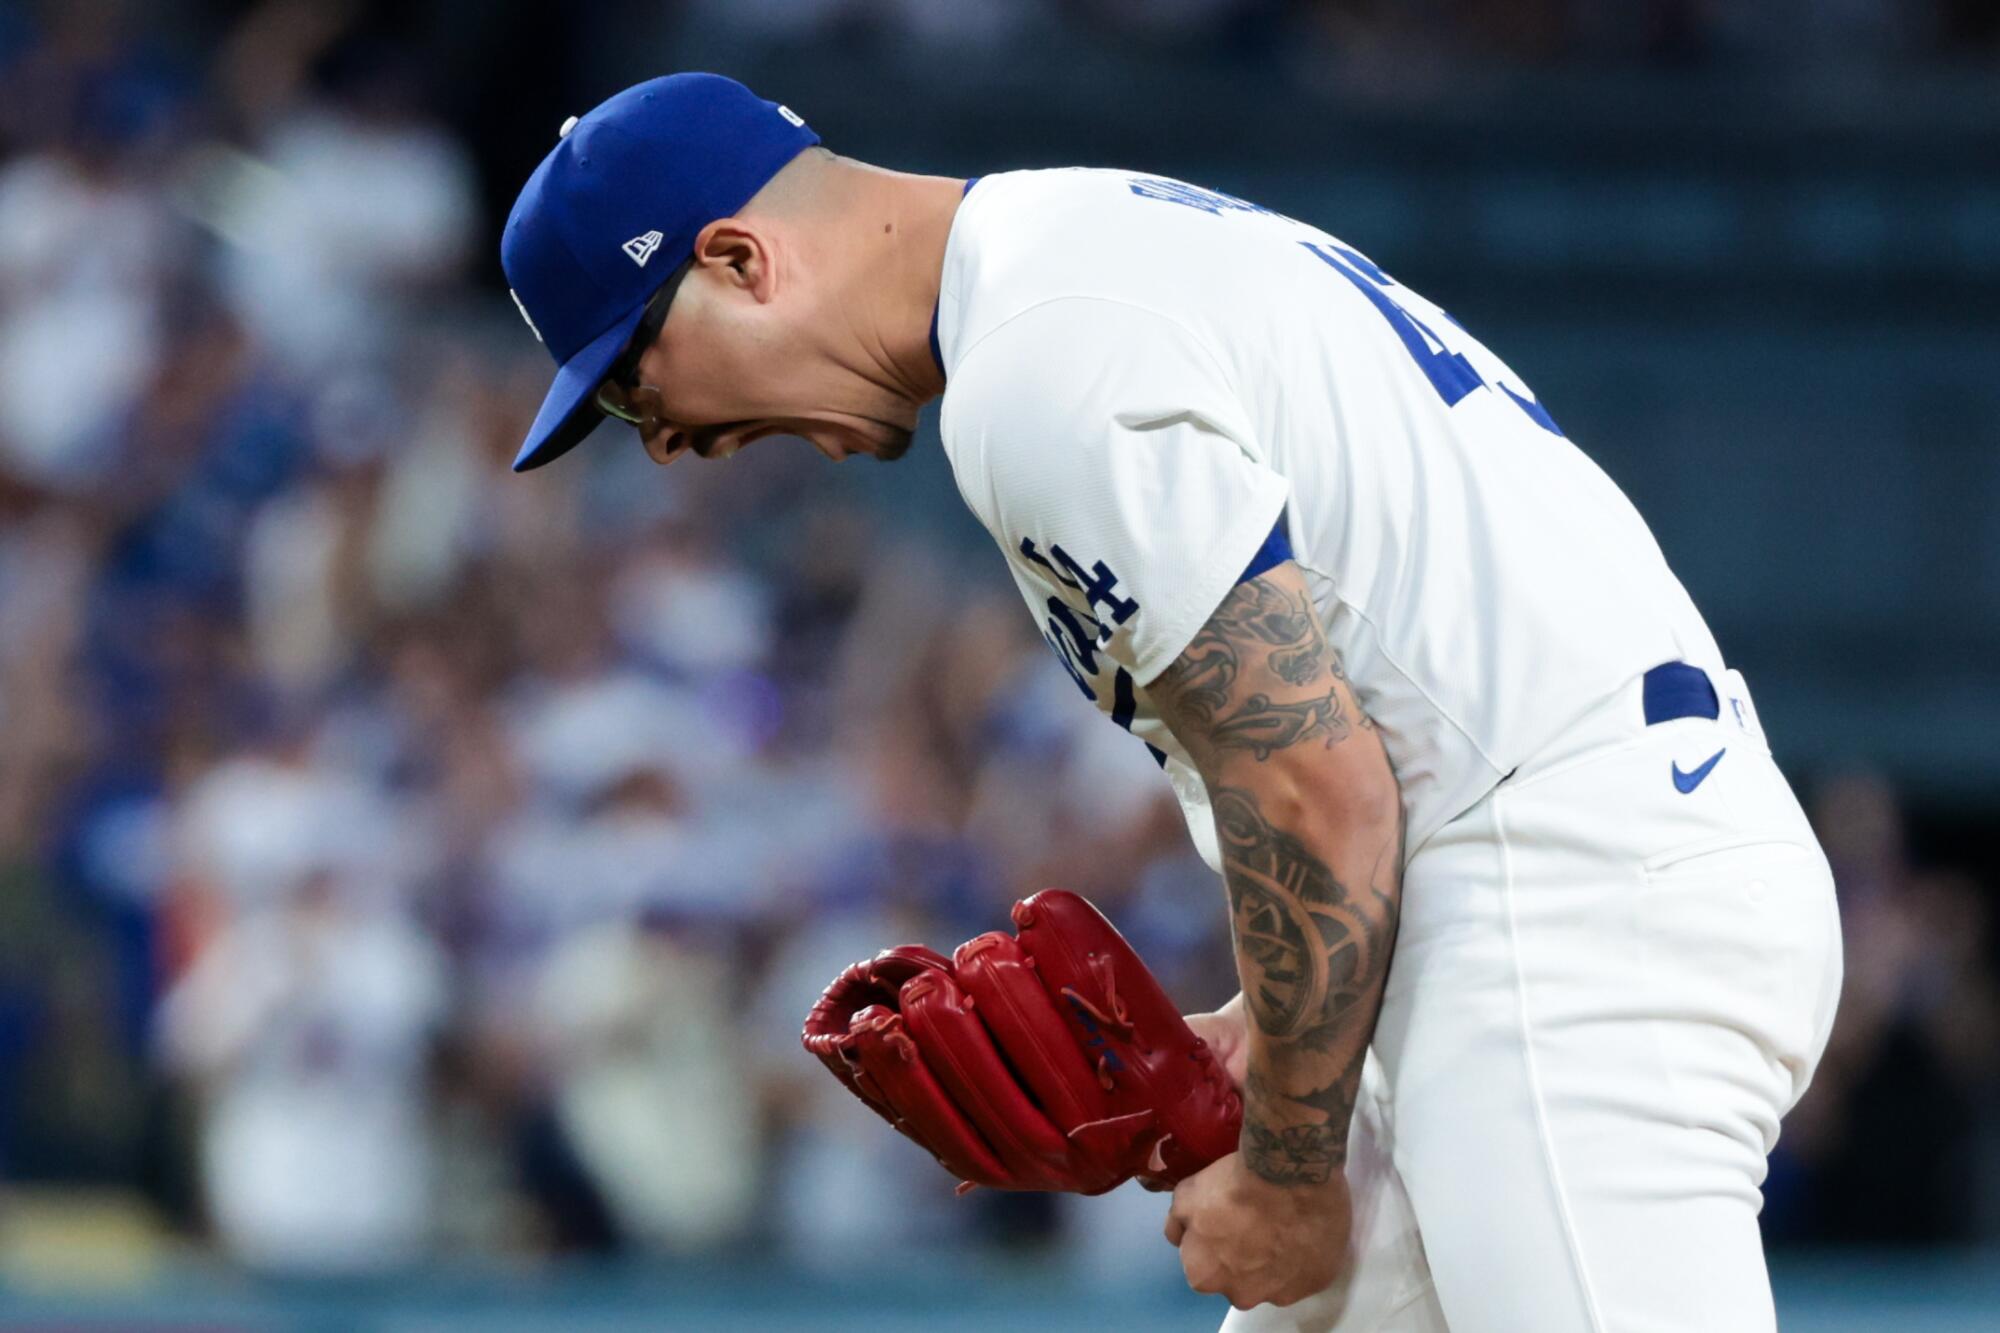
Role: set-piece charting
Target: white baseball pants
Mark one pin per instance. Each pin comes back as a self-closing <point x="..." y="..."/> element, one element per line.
<point x="1605" y="992"/>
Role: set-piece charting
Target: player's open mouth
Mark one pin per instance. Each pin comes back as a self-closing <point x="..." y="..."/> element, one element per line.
<point x="836" y="443"/>
<point x="728" y="442"/>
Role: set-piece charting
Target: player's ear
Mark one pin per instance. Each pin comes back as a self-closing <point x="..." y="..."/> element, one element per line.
<point x="740" y="253"/>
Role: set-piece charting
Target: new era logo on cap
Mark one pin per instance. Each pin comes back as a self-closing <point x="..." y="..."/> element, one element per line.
<point x="641" y="247"/>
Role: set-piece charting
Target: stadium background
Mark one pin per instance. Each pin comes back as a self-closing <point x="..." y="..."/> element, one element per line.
<point x="412" y="875"/>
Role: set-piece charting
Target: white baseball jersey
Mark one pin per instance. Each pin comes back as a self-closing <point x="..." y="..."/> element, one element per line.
<point x="1145" y="378"/>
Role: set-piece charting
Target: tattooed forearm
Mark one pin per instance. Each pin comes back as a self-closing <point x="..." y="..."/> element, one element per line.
<point x="1261" y="726"/>
<point x="1294" y="1155"/>
<point x="1308" y="948"/>
<point x="1311" y="841"/>
<point x="1313" y="956"/>
<point x="1334" y="1100"/>
<point x="1258" y="620"/>
<point x="1263" y="610"/>
<point x="1202" y="678"/>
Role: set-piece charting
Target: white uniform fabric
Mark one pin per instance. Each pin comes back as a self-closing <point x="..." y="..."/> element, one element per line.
<point x="1146" y="375"/>
<point x="1603" y="997"/>
<point x="1606" y="987"/>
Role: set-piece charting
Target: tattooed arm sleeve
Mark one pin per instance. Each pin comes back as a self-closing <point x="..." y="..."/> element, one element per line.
<point x="1310" y="824"/>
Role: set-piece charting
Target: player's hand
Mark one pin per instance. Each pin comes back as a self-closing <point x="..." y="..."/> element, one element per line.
<point x="1227" y="1033"/>
<point x="1244" y="1238"/>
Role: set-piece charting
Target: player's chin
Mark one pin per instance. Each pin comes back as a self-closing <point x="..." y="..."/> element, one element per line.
<point x="894" y="445"/>
<point x="877" y="439"/>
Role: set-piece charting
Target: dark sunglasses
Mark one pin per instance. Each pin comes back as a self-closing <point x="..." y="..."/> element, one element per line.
<point x="614" y="390"/>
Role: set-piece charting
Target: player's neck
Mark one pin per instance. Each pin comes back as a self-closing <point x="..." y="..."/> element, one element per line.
<point x="902" y="224"/>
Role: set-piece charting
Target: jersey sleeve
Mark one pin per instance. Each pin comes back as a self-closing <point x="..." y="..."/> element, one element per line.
<point x="1106" y="450"/>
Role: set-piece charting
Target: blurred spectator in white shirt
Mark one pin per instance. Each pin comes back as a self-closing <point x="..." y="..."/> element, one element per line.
<point x="306" y="1025"/>
<point x="83" y="249"/>
<point x="652" y="1086"/>
<point x="350" y="206"/>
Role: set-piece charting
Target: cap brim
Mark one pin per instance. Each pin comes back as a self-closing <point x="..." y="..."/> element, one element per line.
<point x="568" y="415"/>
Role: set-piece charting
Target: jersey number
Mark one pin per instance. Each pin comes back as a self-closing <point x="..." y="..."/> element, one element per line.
<point x="1449" y="372"/>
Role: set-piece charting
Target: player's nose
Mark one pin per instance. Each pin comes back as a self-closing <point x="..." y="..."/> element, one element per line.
<point x="665" y="442"/>
<point x="663" y="438"/>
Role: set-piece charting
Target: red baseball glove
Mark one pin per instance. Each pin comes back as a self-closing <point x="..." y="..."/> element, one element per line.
<point x="1051" y="1060"/>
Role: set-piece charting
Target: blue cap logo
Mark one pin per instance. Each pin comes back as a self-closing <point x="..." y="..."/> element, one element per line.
<point x="637" y="177"/>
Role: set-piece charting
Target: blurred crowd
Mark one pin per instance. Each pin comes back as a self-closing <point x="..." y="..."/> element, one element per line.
<point x="401" y="857"/>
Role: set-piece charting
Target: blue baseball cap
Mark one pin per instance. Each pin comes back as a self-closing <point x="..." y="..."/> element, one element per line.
<point x="614" y="209"/>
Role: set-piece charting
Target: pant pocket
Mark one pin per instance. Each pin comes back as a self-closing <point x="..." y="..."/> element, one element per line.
<point x="1725" y="852"/>
<point x="1737" y="962"/>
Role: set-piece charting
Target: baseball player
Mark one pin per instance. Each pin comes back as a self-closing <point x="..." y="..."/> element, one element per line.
<point x="1536" y="945"/>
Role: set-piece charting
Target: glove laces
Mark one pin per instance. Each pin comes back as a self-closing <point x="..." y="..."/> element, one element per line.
<point x="1118" y="1021"/>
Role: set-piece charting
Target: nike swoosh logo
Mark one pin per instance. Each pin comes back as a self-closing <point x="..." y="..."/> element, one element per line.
<point x="1687" y="782"/>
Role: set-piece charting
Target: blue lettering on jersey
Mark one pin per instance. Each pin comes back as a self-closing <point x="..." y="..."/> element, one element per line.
<point x="1075" y="633"/>
<point x="1449" y="372"/>
<point x="1074" y="646"/>
<point x="1212" y="202"/>
<point x="1029" y="552"/>
<point x="1098" y="584"/>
